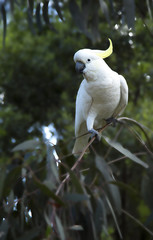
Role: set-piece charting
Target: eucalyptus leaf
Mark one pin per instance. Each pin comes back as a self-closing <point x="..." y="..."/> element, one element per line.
<point x="129" y="6"/>
<point x="4" y="18"/>
<point x="58" y="9"/>
<point x="31" y="5"/>
<point x="38" y="17"/>
<point x="76" y="228"/>
<point x="48" y="192"/>
<point x="75" y="197"/>
<point x="114" y="216"/>
<point x="46" y="16"/>
<point x="146" y="186"/>
<point x="105" y="9"/>
<point x="11" y="179"/>
<point x="26" y="145"/>
<point x="75" y="180"/>
<point x="2" y="180"/>
<point x="125" y="152"/>
<point x="60" y="228"/>
<point x="103" y="167"/>
<point x="100" y="215"/>
<point x="4" y="226"/>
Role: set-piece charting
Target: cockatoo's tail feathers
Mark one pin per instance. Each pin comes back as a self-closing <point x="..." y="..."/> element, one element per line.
<point x="106" y="53"/>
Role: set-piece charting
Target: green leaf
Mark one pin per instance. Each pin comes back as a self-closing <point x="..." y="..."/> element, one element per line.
<point x="58" y="9"/>
<point x="38" y="17"/>
<point x="60" y="228"/>
<point x="100" y="215"/>
<point x="26" y="145"/>
<point x="146" y="186"/>
<point x="76" y="228"/>
<point x="8" y="206"/>
<point x="114" y="216"/>
<point x="52" y="169"/>
<point x="3" y="11"/>
<point x="12" y="178"/>
<point x="129" y="7"/>
<point x="125" y="152"/>
<point x="103" y="167"/>
<point x="105" y="9"/>
<point x="94" y="230"/>
<point x="4" y="229"/>
<point x="46" y="15"/>
<point x="75" y="197"/>
<point x="2" y="179"/>
<point x="79" y="18"/>
<point x="132" y="192"/>
<point x="75" y="180"/>
<point x="30" y="20"/>
<point x="48" y="192"/>
<point x="31" y="5"/>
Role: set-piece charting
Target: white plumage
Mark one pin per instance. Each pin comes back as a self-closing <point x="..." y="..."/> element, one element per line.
<point x="102" y="94"/>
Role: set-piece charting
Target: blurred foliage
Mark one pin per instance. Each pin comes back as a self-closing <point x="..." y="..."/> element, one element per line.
<point x="108" y="195"/>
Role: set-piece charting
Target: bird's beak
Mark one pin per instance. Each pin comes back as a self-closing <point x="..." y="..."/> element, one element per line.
<point x="79" y="67"/>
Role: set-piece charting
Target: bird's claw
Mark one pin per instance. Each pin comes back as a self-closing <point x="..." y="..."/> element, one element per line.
<point x="111" y="120"/>
<point x="94" y="133"/>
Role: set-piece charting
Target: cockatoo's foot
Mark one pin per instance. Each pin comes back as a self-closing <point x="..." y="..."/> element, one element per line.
<point x="95" y="133"/>
<point x="112" y="120"/>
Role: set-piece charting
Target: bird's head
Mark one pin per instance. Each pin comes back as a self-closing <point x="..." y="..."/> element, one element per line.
<point x="88" y="60"/>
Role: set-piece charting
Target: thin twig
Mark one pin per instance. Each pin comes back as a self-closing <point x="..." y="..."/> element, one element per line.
<point x="123" y="157"/>
<point x="137" y="221"/>
<point x="79" y="159"/>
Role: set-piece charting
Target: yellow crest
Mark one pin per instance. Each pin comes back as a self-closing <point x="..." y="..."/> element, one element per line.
<point x="106" y="53"/>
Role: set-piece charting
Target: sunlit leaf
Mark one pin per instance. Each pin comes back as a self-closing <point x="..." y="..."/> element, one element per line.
<point x="76" y="228"/>
<point x="125" y="152"/>
<point x="26" y="145"/>
<point x="52" y="169"/>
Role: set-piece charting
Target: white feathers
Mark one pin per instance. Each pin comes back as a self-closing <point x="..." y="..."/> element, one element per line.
<point x="102" y="94"/>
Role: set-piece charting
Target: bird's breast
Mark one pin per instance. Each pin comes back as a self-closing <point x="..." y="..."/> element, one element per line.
<point x="105" y="98"/>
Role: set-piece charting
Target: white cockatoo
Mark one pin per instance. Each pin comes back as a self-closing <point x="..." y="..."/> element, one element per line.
<point x="103" y="94"/>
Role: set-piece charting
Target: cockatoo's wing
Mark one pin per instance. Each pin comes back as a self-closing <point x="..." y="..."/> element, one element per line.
<point x="123" y="97"/>
<point x="83" y="104"/>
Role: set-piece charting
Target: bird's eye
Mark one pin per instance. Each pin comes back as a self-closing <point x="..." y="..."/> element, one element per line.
<point x="88" y="59"/>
